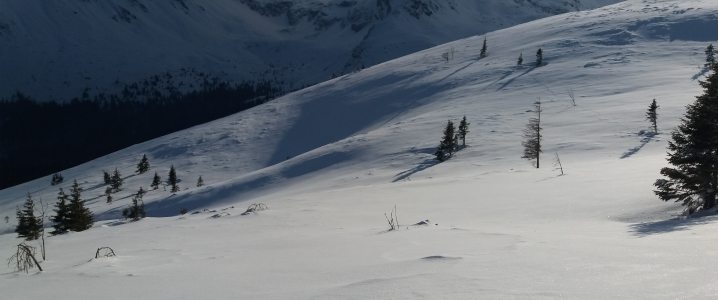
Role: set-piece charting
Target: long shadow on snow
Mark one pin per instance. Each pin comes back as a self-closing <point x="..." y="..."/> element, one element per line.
<point x="421" y="167"/>
<point x="340" y="114"/>
<point x="667" y="226"/>
<point x="507" y="83"/>
<point x="645" y="140"/>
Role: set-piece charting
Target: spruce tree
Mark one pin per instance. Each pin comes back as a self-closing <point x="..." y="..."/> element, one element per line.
<point x="80" y="217"/>
<point x="532" y="137"/>
<point x="116" y="181"/>
<point x="136" y="211"/>
<point x="28" y="227"/>
<point x="693" y="152"/>
<point x="710" y="56"/>
<point x="62" y="212"/>
<point x="463" y="130"/>
<point x="447" y="144"/>
<point x="483" y="49"/>
<point x="539" y="58"/>
<point x="652" y="115"/>
<point x="172" y="179"/>
<point x="144" y="165"/>
<point x="56" y="179"/>
<point x="108" y="195"/>
<point x="200" y="182"/>
<point x="106" y="176"/>
<point x="520" y="62"/>
<point x="156" y="181"/>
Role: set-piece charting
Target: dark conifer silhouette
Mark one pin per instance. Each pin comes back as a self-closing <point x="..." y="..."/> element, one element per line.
<point x="539" y="58"/>
<point x="200" y="182"/>
<point x="106" y="177"/>
<point x="116" y="181"/>
<point x="447" y="144"/>
<point x="136" y="211"/>
<point x="483" y="49"/>
<point x="80" y="217"/>
<point x="144" y="165"/>
<point x="172" y="179"/>
<point x="520" y="61"/>
<point x="62" y="213"/>
<point x="710" y="56"/>
<point x="156" y="181"/>
<point x="28" y="227"/>
<point x="463" y="131"/>
<point x="532" y="137"/>
<point x="693" y="152"/>
<point x="652" y="115"/>
<point x="56" y="179"/>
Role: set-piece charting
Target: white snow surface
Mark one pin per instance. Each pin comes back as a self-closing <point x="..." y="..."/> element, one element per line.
<point x="56" y="50"/>
<point x="329" y="161"/>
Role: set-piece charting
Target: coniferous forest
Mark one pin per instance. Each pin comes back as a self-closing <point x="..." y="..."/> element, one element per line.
<point x="38" y="138"/>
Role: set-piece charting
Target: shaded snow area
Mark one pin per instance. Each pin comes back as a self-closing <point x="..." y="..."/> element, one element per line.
<point x="329" y="161"/>
<point x="63" y="48"/>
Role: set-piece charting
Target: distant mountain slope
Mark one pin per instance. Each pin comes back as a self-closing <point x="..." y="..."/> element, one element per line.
<point x="58" y="49"/>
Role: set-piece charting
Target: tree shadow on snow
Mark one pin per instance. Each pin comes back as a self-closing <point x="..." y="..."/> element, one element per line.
<point x="668" y="226"/>
<point x="700" y="74"/>
<point x="428" y="163"/>
<point x="645" y="140"/>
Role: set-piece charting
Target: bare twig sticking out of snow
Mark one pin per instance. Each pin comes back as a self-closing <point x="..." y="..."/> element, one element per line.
<point x="24" y="258"/>
<point x="108" y="252"/>
<point x="557" y="163"/>
<point x="571" y="95"/>
<point x="394" y="220"/>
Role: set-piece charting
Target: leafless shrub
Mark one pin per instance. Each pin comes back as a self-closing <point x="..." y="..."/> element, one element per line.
<point x="24" y="258"/>
<point x="445" y="56"/>
<point x="392" y="219"/>
<point x="573" y="98"/>
<point x="108" y="252"/>
<point x="256" y="207"/>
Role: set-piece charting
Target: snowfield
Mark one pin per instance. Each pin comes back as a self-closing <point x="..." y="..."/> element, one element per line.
<point x="330" y="160"/>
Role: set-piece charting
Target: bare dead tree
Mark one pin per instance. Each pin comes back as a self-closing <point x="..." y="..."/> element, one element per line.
<point x="393" y="219"/>
<point x="445" y="56"/>
<point x="451" y="50"/>
<point x="571" y="95"/>
<point x="108" y="252"/>
<point x="43" y="212"/>
<point x="557" y="163"/>
<point x="24" y="258"/>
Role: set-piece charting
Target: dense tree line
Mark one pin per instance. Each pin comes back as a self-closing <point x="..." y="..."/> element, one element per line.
<point x="39" y="138"/>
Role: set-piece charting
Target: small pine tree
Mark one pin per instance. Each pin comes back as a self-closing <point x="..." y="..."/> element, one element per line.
<point x="693" y="152"/>
<point x="172" y="179"/>
<point x="156" y="181"/>
<point x="710" y="56"/>
<point x="28" y="227"/>
<point x="483" y="49"/>
<point x="80" y="217"/>
<point x="62" y="213"/>
<point x="520" y="62"/>
<point x="539" y="58"/>
<point x="108" y="194"/>
<point x="447" y="144"/>
<point x="652" y="115"/>
<point x="116" y="181"/>
<point x="106" y="176"/>
<point x="183" y="211"/>
<point x="56" y="179"/>
<point x="463" y="130"/>
<point x="532" y="137"/>
<point x="144" y="165"/>
<point x="137" y="210"/>
<point x="200" y="182"/>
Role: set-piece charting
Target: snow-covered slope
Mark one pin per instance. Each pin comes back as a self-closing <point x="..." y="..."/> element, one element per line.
<point x="59" y="49"/>
<point x="330" y="160"/>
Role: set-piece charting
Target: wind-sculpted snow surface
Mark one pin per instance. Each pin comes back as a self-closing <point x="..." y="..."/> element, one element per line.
<point x="332" y="159"/>
<point x="64" y="48"/>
